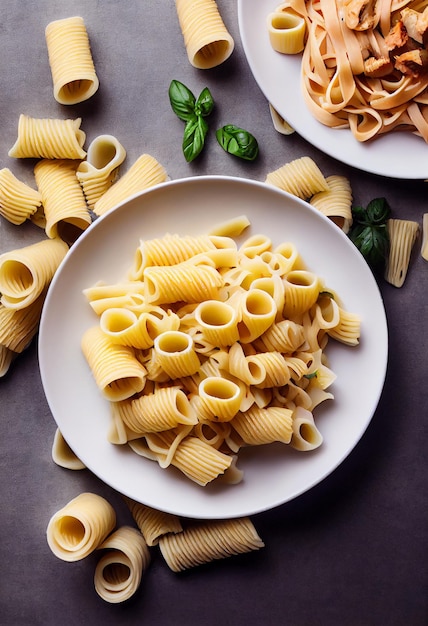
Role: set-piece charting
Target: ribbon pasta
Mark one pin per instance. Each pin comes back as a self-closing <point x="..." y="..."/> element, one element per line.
<point x="364" y="65"/>
<point x="243" y="359"/>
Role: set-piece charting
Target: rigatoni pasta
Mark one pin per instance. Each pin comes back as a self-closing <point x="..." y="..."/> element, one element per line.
<point x="402" y="238"/>
<point x="70" y="59"/>
<point x="18" y="201"/>
<point x="46" y="138"/>
<point x="153" y="524"/>
<point x="246" y="350"/>
<point x="300" y="177"/>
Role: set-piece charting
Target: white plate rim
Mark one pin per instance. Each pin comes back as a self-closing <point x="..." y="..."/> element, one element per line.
<point x="399" y="155"/>
<point x="204" y="505"/>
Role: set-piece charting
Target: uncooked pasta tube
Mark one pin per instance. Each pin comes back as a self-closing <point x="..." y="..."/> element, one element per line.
<point x="73" y="72"/>
<point x="18" y="201"/>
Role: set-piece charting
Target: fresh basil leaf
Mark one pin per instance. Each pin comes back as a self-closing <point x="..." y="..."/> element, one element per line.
<point x="182" y="101"/>
<point x="194" y="138"/>
<point x="205" y="103"/>
<point x="238" y="142"/>
<point x="378" y="211"/>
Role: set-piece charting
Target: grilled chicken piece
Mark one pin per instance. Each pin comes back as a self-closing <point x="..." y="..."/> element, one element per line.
<point x="416" y="24"/>
<point x="360" y="14"/>
<point x="377" y="68"/>
<point x="412" y="63"/>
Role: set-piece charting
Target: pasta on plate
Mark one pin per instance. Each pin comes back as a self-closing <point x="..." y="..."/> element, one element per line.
<point x="208" y="346"/>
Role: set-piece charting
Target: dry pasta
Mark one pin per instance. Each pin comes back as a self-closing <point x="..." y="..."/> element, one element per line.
<point x="363" y="65"/>
<point x="6" y="358"/>
<point x="204" y="542"/>
<point x="144" y="173"/>
<point x="19" y="326"/>
<point x="80" y="527"/>
<point x="119" y="571"/>
<point x="48" y="139"/>
<point x="101" y="168"/>
<point x="424" y="244"/>
<point x="300" y="177"/>
<point x="70" y="59"/>
<point x="336" y="203"/>
<point x="26" y="272"/>
<point x="64" y="204"/>
<point x="402" y="237"/>
<point x="208" y="42"/>
<point x="246" y="351"/>
<point x="63" y="455"/>
<point x="153" y="524"/>
<point x="18" y="201"/>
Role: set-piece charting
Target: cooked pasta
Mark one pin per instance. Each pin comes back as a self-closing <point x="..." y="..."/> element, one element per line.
<point x="18" y="201"/>
<point x="231" y="228"/>
<point x="306" y="435"/>
<point x="402" y="238"/>
<point x="26" y="272"/>
<point x="19" y="326"/>
<point x="101" y="168"/>
<point x="48" y="139"/>
<point x="119" y="571"/>
<point x="70" y="59"/>
<point x="203" y="542"/>
<point x="63" y="455"/>
<point x="287" y="31"/>
<point x="246" y="349"/>
<point x="64" y="204"/>
<point x="153" y="524"/>
<point x="337" y="202"/>
<point x="363" y="65"/>
<point x="300" y="177"/>
<point x="78" y="528"/>
<point x="144" y="173"/>
<point x="208" y="42"/>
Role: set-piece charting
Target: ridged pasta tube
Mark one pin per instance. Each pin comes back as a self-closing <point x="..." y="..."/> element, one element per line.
<point x="144" y="173"/>
<point x="219" y="398"/>
<point x="48" y="139"/>
<point x="153" y="524"/>
<point x="101" y="168"/>
<point x="80" y="527"/>
<point x="301" y="292"/>
<point x="208" y="42"/>
<point x="26" y="272"/>
<point x="64" y="204"/>
<point x="18" y="201"/>
<point x="119" y="571"/>
<point x="402" y="237"/>
<point x="300" y="177"/>
<point x="257" y="311"/>
<point x="182" y="282"/>
<point x="337" y="202"/>
<point x="117" y="372"/>
<point x="127" y="328"/>
<point x="218" y="321"/>
<point x="165" y="408"/>
<point x="306" y="435"/>
<point x="70" y="59"/>
<point x="19" y="326"/>
<point x="204" y="542"/>
<point x="260" y="426"/>
<point x="175" y="353"/>
<point x="286" y="30"/>
<point x="6" y="358"/>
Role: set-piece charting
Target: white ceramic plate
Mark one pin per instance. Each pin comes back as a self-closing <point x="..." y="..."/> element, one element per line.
<point x="273" y="474"/>
<point x="398" y="155"/>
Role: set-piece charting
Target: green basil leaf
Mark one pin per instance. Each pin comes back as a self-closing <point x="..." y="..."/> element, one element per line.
<point x="205" y="103"/>
<point x="378" y="211"/>
<point x="182" y="101"/>
<point x="194" y="138"/>
<point x="238" y="142"/>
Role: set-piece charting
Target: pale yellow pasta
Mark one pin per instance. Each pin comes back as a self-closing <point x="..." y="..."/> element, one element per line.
<point x="80" y="527"/>
<point x="279" y="123"/>
<point x="402" y="238"/>
<point x="273" y="367"/>
<point x="137" y="329"/>
<point x="257" y="311"/>
<point x="63" y="455"/>
<point x="47" y="138"/>
<point x="6" y="358"/>
<point x="101" y="168"/>
<point x="25" y="273"/>
<point x="18" y="201"/>
<point x="424" y="245"/>
<point x="19" y="326"/>
<point x="153" y="524"/>
<point x="300" y="177"/>
<point x="124" y="295"/>
<point x="175" y="353"/>
<point x="306" y="435"/>
<point x="284" y="336"/>
<point x="165" y="408"/>
<point x="261" y="426"/>
<point x="144" y="173"/>
<point x="204" y="542"/>
<point x="116" y="370"/>
<point x="274" y="286"/>
<point x="208" y="42"/>
<point x="70" y="59"/>
<point x="231" y="228"/>
<point x="348" y="329"/>
<point x="337" y="202"/>
<point x="65" y="208"/>
<point x="182" y="282"/>
<point x="301" y="292"/>
<point x="219" y="399"/>
<point x="218" y="322"/>
<point x="119" y="571"/>
<point x="286" y="30"/>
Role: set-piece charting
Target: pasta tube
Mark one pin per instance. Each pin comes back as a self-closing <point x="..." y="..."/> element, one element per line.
<point x="402" y="237"/>
<point x="18" y="201"/>
<point x="48" y="139"/>
<point x="153" y="524"/>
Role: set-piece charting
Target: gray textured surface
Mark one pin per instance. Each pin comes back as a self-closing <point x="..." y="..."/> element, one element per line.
<point x="353" y="551"/>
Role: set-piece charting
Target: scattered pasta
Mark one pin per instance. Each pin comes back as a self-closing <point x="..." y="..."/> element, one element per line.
<point x="402" y="237"/>
<point x="300" y="177"/>
<point x="80" y="527"/>
<point x="70" y="59"/>
<point x="228" y="341"/>
<point x="153" y="524"/>
<point x="208" y="42"/>
<point x="204" y="542"/>
<point x="337" y="202"/>
<point x="18" y="201"/>
<point x="63" y="455"/>
<point x="119" y="571"/>
<point x="424" y="245"/>
<point x="48" y="139"/>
